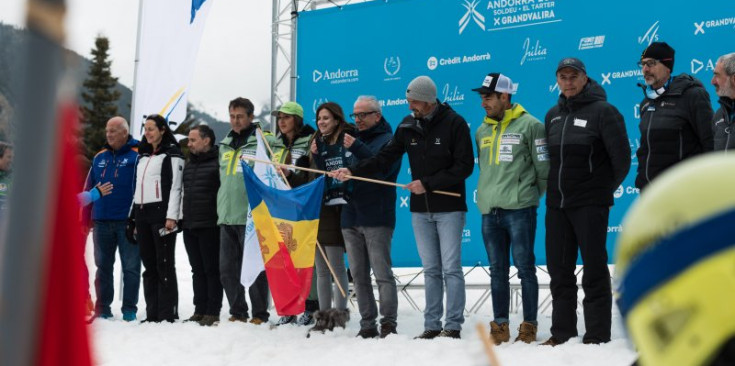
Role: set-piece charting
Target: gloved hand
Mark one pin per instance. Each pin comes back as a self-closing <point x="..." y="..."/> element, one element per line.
<point x="130" y="231"/>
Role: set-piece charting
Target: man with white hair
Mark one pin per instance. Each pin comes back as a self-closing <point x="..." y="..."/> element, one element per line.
<point x="115" y="164"/>
<point x="724" y="82"/>
<point x="439" y="147"/>
<point x="368" y="221"/>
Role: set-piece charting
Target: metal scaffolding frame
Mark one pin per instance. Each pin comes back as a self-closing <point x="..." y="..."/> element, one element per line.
<point x="283" y="52"/>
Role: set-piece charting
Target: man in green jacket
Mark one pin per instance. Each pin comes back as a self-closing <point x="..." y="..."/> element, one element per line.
<point x="514" y="164"/>
<point x="232" y="211"/>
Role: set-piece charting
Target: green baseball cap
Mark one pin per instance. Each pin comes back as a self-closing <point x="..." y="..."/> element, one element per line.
<point x="291" y="108"/>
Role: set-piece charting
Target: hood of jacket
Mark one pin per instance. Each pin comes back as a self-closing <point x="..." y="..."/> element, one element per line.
<point x="515" y="111"/>
<point x="592" y="92"/>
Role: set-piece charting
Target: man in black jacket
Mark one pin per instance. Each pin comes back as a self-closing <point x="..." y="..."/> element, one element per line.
<point x="440" y="155"/>
<point x="201" y="233"/>
<point x="724" y="82"/>
<point x="676" y="115"/>
<point x="589" y="156"/>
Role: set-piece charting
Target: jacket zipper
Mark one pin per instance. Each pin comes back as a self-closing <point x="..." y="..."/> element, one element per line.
<point x="561" y="159"/>
<point x="681" y="146"/>
<point x="592" y="151"/>
<point x="650" y="147"/>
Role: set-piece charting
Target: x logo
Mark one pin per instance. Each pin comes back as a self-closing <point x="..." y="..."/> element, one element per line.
<point x="605" y="78"/>
<point x="699" y="28"/>
<point x="471" y="13"/>
<point x="404" y="202"/>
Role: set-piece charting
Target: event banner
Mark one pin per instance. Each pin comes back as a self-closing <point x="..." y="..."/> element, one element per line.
<point x="168" y="41"/>
<point x="377" y="48"/>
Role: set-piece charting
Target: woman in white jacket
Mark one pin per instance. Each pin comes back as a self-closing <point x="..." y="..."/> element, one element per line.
<point x="156" y="209"/>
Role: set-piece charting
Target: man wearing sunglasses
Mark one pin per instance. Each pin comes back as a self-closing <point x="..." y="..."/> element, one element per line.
<point x="676" y="115"/>
<point x="368" y="221"/>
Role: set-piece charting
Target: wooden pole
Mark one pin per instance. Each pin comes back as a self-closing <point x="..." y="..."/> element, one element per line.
<point x="453" y="194"/>
<point x="319" y="246"/>
<point x="487" y="342"/>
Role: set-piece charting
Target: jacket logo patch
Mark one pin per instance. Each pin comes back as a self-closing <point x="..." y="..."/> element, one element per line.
<point x="580" y="122"/>
<point x="438" y="141"/>
<point x="505" y="158"/>
<point x="486" y="142"/>
<point x="540" y="141"/>
<point x="511" y="138"/>
<point x="413" y="142"/>
<point x="124" y="162"/>
<point x="555" y="119"/>
<point x="721" y="120"/>
<point x="542" y="157"/>
<point x="227" y="156"/>
<point x="543" y="149"/>
<point x="665" y="104"/>
<point x="102" y="163"/>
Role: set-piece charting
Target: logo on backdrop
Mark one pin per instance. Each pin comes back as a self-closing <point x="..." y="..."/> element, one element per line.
<point x="608" y="77"/>
<point x="471" y="15"/>
<point x="699" y="27"/>
<point x="338" y="76"/>
<point x="650" y="36"/>
<point x="317" y="103"/>
<point x="392" y="65"/>
<point x="625" y="190"/>
<point x="533" y="51"/>
<point x="393" y="102"/>
<point x="451" y="95"/>
<point x="554" y="88"/>
<point x="509" y="14"/>
<point x="433" y="63"/>
<point x="698" y="66"/>
<point x="588" y="43"/>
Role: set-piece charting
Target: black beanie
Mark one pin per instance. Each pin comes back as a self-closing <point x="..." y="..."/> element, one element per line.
<point x="660" y="51"/>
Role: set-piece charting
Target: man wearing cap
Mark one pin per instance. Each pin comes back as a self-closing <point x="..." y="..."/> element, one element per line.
<point x="724" y="82"/>
<point x="514" y="164"/>
<point x="676" y="115"/>
<point x="439" y="147"/>
<point x="589" y="156"/>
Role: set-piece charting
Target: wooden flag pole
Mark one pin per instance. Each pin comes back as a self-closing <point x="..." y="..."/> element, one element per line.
<point x="319" y="246"/>
<point x="488" y="344"/>
<point x="453" y="194"/>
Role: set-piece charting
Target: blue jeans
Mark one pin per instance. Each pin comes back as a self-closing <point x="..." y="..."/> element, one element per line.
<point x="439" y="242"/>
<point x="503" y="230"/>
<point x="109" y="236"/>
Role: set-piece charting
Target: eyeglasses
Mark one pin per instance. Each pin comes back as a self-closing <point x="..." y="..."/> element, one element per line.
<point x="650" y="63"/>
<point x="361" y="115"/>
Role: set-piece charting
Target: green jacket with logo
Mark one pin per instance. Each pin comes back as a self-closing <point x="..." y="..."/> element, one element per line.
<point x="513" y="161"/>
<point x="232" y="199"/>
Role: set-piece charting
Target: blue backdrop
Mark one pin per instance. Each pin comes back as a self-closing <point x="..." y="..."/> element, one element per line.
<point x="377" y="48"/>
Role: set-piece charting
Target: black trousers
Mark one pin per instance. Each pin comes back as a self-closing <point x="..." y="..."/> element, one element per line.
<point x="160" y="287"/>
<point x="202" y="246"/>
<point x="567" y="230"/>
<point x="232" y="242"/>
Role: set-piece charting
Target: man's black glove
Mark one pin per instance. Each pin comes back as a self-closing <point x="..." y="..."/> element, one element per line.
<point x="130" y="231"/>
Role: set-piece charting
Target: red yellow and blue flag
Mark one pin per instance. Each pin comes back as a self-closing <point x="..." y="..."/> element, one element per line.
<point x="286" y="223"/>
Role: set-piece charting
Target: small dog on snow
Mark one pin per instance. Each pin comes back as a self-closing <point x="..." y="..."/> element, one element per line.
<point x="328" y="319"/>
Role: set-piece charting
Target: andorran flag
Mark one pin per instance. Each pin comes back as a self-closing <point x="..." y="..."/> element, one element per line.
<point x="286" y="223"/>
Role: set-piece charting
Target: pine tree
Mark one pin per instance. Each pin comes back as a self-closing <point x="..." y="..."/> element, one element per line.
<point x="99" y="96"/>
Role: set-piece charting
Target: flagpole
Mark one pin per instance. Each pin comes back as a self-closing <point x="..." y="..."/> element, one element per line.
<point x="321" y="250"/>
<point x="453" y="194"/>
<point x="488" y="345"/>
<point x="25" y="242"/>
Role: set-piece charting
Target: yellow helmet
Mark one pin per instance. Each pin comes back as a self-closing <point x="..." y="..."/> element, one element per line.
<point x="675" y="267"/>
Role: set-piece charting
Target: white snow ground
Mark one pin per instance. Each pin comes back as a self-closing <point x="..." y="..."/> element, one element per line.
<point x="116" y="342"/>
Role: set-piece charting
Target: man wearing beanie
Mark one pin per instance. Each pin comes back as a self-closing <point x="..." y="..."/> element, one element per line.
<point x="676" y="115"/>
<point x="437" y="141"/>
<point x="514" y="164"/>
<point x="589" y="157"/>
<point x="724" y="82"/>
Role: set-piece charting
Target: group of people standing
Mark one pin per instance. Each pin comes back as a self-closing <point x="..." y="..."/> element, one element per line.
<point x="579" y="156"/>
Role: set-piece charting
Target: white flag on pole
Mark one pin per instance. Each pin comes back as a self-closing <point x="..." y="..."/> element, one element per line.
<point x="252" y="259"/>
<point x="169" y="32"/>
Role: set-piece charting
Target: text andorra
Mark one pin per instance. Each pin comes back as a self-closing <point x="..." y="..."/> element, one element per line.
<point x="464" y="59"/>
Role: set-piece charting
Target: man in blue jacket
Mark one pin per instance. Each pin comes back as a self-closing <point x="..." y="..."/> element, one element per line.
<point x="368" y="221"/>
<point x="115" y="163"/>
